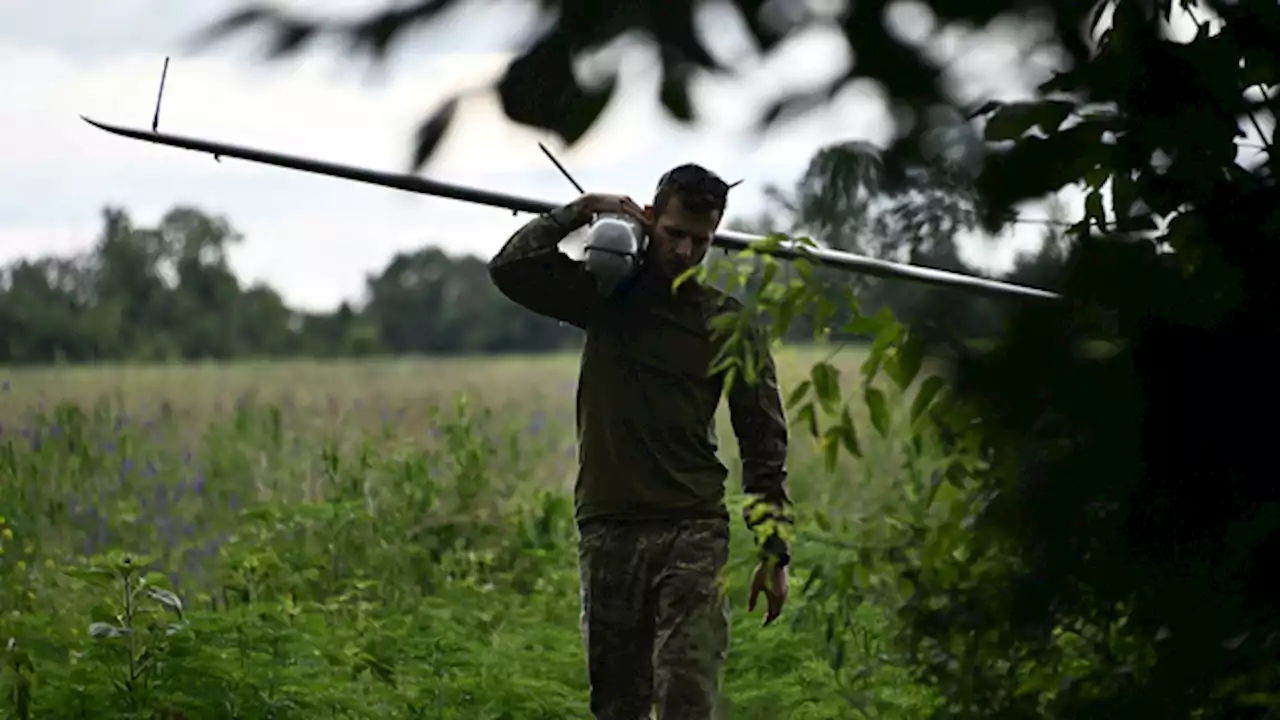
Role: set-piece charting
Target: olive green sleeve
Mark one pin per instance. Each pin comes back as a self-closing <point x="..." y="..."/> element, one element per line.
<point x="759" y="421"/>
<point x="530" y="270"/>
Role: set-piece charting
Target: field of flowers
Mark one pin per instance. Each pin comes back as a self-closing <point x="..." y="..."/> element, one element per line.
<point x="386" y="539"/>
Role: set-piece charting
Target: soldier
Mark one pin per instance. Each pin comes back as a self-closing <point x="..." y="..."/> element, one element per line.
<point x="649" y="496"/>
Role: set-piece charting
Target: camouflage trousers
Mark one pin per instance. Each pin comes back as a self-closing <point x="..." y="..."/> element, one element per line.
<point x="654" y="620"/>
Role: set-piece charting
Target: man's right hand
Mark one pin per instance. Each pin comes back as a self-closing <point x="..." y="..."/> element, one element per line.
<point x="598" y="203"/>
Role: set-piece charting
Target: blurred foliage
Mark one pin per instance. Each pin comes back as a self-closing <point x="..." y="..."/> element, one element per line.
<point x="540" y="89"/>
<point x="1100" y="525"/>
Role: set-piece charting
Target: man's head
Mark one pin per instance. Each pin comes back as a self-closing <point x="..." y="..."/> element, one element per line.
<point x="686" y="211"/>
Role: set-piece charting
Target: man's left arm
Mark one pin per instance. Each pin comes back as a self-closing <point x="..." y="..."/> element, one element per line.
<point x="760" y="423"/>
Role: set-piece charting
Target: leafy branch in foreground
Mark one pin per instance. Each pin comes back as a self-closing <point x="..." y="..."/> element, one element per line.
<point x="541" y="88"/>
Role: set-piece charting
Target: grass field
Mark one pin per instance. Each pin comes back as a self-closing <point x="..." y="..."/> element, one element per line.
<point x="385" y="539"/>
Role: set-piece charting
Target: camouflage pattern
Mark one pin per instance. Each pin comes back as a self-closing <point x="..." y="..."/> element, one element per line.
<point x="538" y="237"/>
<point x="655" y="622"/>
<point x="531" y="271"/>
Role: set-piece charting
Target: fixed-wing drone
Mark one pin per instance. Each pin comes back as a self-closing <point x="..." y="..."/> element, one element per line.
<point x="611" y="243"/>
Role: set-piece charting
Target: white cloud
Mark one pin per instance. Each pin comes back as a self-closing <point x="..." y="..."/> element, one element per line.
<point x="311" y="237"/>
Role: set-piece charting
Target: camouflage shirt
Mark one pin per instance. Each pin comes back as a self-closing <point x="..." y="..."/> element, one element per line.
<point x="646" y="403"/>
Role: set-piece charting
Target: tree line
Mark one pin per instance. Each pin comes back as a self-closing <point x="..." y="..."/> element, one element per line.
<point x="167" y="292"/>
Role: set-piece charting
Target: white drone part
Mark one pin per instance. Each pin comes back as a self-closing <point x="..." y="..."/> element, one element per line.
<point x="615" y="248"/>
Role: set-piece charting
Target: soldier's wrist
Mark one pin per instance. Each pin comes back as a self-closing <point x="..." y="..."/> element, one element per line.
<point x="774" y="550"/>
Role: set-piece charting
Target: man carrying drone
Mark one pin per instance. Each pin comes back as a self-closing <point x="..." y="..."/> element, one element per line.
<point x="649" y="497"/>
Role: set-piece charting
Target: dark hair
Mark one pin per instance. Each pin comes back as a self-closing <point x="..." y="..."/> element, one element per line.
<point x="699" y="189"/>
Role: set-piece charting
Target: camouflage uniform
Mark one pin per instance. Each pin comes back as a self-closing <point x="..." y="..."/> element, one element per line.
<point x="649" y="497"/>
<point x="654" y="619"/>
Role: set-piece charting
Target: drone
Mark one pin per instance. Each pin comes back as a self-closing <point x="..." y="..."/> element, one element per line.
<point x="612" y="242"/>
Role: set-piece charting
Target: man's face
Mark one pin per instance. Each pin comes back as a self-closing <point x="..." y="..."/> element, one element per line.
<point x="680" y="238"/>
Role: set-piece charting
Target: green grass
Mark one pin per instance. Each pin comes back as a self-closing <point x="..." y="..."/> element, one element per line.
<point x="384" y="539"/>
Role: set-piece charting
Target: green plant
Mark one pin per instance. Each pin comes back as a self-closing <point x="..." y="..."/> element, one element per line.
<point x="253" y="562"/>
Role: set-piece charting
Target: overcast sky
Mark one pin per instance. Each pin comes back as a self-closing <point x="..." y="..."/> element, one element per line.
<point x="315" y="238"/>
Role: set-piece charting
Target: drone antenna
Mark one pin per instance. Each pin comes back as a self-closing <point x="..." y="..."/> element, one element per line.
<point x="561" y="168"/>
<point x="155" y="119"/>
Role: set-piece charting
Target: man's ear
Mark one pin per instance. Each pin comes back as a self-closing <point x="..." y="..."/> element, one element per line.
<point x="648" y="211"/>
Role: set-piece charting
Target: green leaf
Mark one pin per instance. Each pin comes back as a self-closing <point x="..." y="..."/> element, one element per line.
<point x="831" y="447"/>
<point x="167" y="598"/>
<point x="826" y="385"/>
<point x="848" y="433"/>
<point x="862" y="573"/>
<point x="946" y="495"/>
<point x="985" y="108"/>
<point x="1035" y="166"/>
<point x="675" y="97"/>
<point x="103" y="630"/>
<point x="906" y="588"/>
<point x="815" y="575"/>
<point x="731" y="282"/>
<point x="907" y="364"/>
<point x="1097" y="176"/>
<point x="879" y="409"/>
<point x="102" y="577"/>
<point x="1093" y="208"/>
<point x="730" y="377"/>
<point x="824" y="524"/>
<point x="929" y="389"/>
<point x="725" y="362"/>
<point x="750" y="361"/>
<point x="682" y="278"/>
<point x="798" y="394"/>
<point x="889" y="332"/>
<point x="823" y="313"/>
<point x="770" y="271"/>
<point x="728" y="321"/>
<point x="1011" y="121"/>
<point x="805" y="271"/>
<point x="863" y="325"/>
<point x="809" y="418"/>
<point x="1038" y="680"/>
<point x="1124" y="194"/>
<point x="432" y="132"/>
<point x="785" y="316"/>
